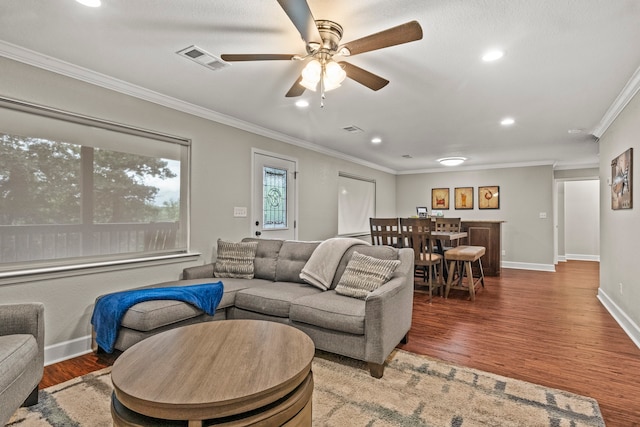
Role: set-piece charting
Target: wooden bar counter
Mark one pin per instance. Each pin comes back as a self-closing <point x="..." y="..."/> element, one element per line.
<point x="487" y="233"/>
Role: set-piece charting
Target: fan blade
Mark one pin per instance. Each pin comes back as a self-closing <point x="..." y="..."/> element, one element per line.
<point x="296" y="90"/>
<point x="300" y="14"/>
<point x="405" y="33"/>
<point x="364" y="77"/>
<point x="256" y="57"/>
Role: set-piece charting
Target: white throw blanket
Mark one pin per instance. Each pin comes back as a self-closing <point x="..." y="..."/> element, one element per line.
<point x="323" y="262"/>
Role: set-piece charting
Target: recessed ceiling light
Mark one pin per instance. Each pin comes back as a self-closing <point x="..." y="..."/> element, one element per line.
<point x="575" y="131"/>
<point x="376" y="140"/>
<point x="90" y="3"/>
<point x="302" y="103"/>
<point x="492" y="55"/>
<point x="507" y="121"/>
<point x="452" y="161"/>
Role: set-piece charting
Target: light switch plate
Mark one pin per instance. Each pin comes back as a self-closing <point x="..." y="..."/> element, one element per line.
<point x="239" y="212"/>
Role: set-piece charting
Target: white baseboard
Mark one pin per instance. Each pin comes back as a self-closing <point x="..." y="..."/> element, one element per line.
<point x="562" y="258"/>
<point x="626" y="323"/>
<point x="529" y="266"/>
<point x="581" y="257"/>
<point x="67" y="350"/>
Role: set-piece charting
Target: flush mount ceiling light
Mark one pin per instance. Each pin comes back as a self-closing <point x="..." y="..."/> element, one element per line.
<point x="90" y="3"/>
<point x="376" y="140"/>
<point x="507" y="121"/>
<point x="492" y="55"/>
<point x="302" y="103"/>
<point x="452" y="161"/>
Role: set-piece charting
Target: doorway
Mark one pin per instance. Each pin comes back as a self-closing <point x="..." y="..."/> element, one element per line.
<point x="274" y="196"/>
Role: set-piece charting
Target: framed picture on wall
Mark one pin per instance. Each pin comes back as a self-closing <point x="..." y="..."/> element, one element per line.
<point x="463" y="197"/>
<point x="489" y="197"/>
<point x="439" y="198"/>
<point x="621" y="180"/>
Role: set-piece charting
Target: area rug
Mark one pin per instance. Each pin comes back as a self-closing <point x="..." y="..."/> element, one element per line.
<point x="414" y="391"/>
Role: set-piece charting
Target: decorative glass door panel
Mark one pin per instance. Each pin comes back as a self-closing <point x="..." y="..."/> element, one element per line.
<point x="274" y="196"/>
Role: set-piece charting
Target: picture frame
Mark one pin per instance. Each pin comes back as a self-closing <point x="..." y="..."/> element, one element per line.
<point x="489" y="197"/>
<point x="439" y="198"/>
<point x="422" y="211"/>
<point x="463" y="197"/>
<point x="622" y="180"/>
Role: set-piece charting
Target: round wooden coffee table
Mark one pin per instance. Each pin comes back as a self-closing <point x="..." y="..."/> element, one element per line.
<point x="229" y="372"/>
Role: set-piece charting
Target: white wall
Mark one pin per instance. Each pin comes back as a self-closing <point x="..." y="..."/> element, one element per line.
<point x="220" y="177"/>
<point x="560" y="221"/>
<point x="582" y="220"/>
<point x="620" y="230"/>
<point x="524" y="193"/>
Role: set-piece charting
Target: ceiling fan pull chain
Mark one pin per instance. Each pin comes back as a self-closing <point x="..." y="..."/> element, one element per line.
<point x="322" y="96"/>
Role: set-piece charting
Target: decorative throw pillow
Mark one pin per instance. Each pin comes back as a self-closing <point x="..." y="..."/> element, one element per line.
<point x="235" y="259"/>
<point x="365" y="274"/>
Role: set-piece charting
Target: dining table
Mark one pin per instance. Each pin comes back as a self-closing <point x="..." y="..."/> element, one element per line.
<point x="447" y="236"/>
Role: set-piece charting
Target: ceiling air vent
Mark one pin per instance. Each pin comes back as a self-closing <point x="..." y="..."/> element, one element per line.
<point x="203" y="57"/>
<point x="352" y="129"/>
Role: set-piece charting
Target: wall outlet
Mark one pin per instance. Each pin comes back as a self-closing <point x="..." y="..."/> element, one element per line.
<point x="504" y="252"/>
<point x="543" y="215"/>
<point x="239" y="212"/>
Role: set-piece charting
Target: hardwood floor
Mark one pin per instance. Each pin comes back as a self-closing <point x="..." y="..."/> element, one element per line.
<point x="545" y="328"/>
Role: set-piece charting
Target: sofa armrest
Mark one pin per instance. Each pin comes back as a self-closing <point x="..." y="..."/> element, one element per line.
<point x="388" y="314"/>
<point x="24" y="318"/>
<point x="198" y="272"/>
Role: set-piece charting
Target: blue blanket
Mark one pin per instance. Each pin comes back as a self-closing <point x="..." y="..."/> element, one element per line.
<point x="110" y="309"/>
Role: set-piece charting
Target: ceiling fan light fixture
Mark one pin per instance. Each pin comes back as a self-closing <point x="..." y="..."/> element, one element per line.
<point x="311" y="75"/>
<point x="452" y="161"/>
<point x="333" y="76"/>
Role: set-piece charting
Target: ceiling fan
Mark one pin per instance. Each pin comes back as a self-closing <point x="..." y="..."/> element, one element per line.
<point x="322" y="40"/>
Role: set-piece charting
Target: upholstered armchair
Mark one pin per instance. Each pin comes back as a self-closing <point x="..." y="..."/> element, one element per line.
<point x="21" y="356"/>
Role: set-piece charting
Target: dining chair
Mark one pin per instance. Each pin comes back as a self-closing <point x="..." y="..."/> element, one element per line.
<point x="384" y="231"/>
<point x="416" y="234"/>
<point x="449" y="225"/>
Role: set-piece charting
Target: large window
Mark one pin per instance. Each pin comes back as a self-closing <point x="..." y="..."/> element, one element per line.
<point x="75" y="189"/>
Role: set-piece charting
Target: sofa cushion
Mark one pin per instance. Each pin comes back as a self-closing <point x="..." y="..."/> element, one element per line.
<point x="16" y="353"/>
<point x="380" y="252"/>
<point x="235" y="259"/>
<point x="149" y="315"/>
<point x="273" y="299"/>
<point x="264" y="264"/>
<point x="329" y="310"/>
<point x="365" y="274"/>
<point x="292" y="258"/>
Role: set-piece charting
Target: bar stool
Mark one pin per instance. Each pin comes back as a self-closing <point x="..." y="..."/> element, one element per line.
<point x="466" y="255"/>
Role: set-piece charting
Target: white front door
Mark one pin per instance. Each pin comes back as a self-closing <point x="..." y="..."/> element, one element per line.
<point x="274" y="203"/>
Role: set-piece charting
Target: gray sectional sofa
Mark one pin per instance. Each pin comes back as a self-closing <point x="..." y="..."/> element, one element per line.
<point x="21" y="356"/>
<point x="364" y="329"/>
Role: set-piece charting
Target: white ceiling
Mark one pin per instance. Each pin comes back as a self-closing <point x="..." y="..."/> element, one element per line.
<point x="566" y="62"/>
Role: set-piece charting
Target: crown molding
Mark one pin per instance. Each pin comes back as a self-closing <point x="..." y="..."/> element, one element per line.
<point x="29" y="57"/>
<point x="444" y="169"/>
<point x="627" y="94"/>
